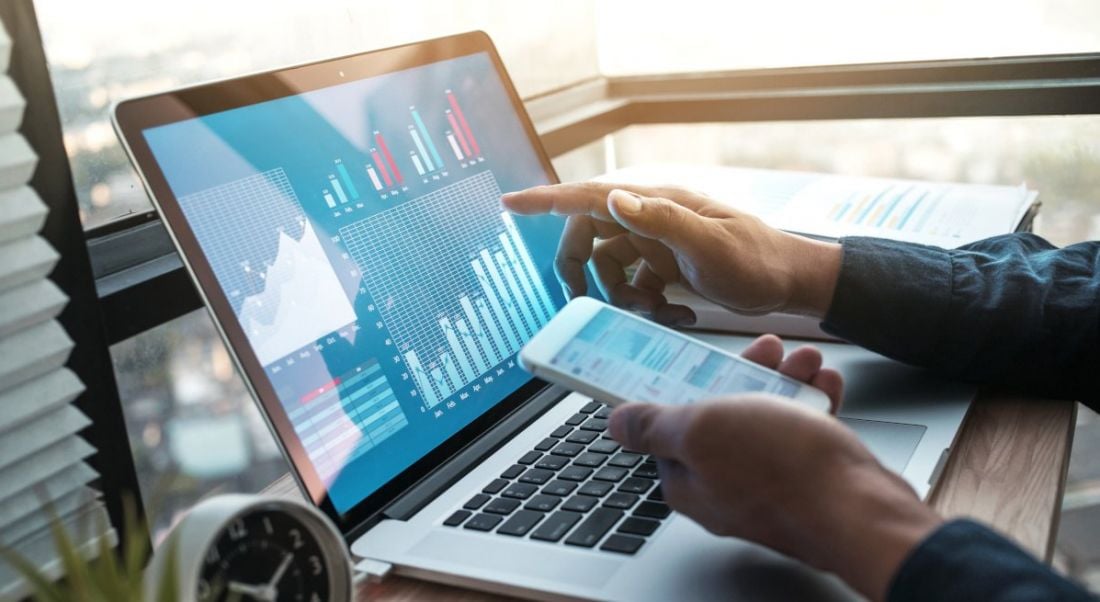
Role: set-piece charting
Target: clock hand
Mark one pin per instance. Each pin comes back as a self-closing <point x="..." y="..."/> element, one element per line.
<point x="283" y="566"/>
<point x="256" y="592"/>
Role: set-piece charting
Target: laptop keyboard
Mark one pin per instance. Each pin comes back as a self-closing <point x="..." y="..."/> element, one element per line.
<point x="577" y="486"/>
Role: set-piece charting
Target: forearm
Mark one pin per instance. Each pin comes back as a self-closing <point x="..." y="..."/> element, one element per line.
<point x="1011" y="310"/>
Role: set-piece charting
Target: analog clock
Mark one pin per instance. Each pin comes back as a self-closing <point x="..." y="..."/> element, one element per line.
<point x="252" y="548"/>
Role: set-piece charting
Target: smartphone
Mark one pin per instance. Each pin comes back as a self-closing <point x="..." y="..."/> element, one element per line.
<point x="614" y="356"/>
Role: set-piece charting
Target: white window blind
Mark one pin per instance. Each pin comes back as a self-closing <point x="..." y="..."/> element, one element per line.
<point x="42" y="457"/>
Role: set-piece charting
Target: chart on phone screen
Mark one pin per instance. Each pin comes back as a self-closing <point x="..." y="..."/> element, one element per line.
<point x="476" y="297"/>
<point x="270" y="263"/>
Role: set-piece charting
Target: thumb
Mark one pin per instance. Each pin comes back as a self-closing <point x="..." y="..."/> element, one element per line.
<point x="656" y="218"/>
<point x="648" y="428"/>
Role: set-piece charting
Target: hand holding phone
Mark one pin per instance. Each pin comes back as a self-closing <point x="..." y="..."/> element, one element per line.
<point x="615" y="357"/>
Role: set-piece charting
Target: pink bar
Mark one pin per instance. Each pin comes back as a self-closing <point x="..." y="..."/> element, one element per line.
<point x="389" y="158"/>
<point x="381" y="167"/>
<point x="462" y="120"/>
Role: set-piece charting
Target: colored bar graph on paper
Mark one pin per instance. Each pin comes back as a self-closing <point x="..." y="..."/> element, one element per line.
<point x="381" y="142"/>
<point x="346" y="178"/>
<point x="462" y="121"/>
<point x="427" y="138"/>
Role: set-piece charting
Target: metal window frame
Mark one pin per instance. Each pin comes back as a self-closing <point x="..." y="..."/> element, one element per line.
<point x="142" y="284"/>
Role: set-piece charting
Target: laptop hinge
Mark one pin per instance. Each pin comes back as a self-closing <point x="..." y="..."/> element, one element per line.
<point x="452" y="470"/>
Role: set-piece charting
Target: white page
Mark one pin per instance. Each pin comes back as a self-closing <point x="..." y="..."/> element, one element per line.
<point x="831" y="206"/>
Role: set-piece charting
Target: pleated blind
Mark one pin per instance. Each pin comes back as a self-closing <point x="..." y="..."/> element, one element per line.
<point x="42" y="456"/>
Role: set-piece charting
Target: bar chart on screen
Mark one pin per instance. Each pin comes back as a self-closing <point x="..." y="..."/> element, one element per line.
<point x="458" y="327"/>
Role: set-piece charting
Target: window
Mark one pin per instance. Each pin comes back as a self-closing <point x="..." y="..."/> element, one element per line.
<point x="697" y="35"/>
<point x="106" y="51"/>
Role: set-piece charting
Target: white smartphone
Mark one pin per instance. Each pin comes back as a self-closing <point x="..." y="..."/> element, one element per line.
<point x="614" y="356"/>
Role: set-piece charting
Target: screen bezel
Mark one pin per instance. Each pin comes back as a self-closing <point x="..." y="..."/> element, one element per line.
<point x="132" y="117"/>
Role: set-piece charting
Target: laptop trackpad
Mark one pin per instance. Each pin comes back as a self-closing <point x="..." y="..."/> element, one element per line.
<point x="893" y="443"/>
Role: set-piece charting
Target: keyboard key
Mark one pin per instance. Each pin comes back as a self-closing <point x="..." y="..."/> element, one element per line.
<point x="610" y="473"/>
<point x="537" y="476"/>
<point x="580" y="503"/>
<point x="582" y="437"/>
<point x="556" y="526"/>
<point x="595" y="489"/>
<point x="576" y="419"/>
<point x="559" y="487"/>
<point x="495" y="486"/>
<point x="636" y="485"/>
<point x="546" y="444"/>
<point x="456" y="519"/>
<point x="501" y="505"/>
<point x="476" y="502"/>
<point x="604" y="413"/>
<point x="589" y="459"/>
<point x="622" y="501"/>
<point x="542" y="503"/>
<point x="519" y="491"/>
<point x="624" y="459"/>
<point x="623" y="544"/>
<point x="594" y="527"/>
<point x="529" y="458"/>
<point x="652" y="510"/>
<point x="639" y="526"/>
<point x="520" y="523"/>
<point x="569" y="450"/>
<point x="590" y="407"/>
<point x="656" y="495"/>
<point x="595" y="424"/>
<point x="513" y="471"/>
<point x="561" y="431"/>
<point x="646" y="471"/>
<point x="604" y="446"/>
<point x="483" y="522"/>
<point x="575" y="473"/>
<point x="552" y="462"/>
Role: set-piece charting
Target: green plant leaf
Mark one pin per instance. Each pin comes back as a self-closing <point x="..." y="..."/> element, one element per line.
<point x="168" y="588"/>
<point x="43" y="587"/>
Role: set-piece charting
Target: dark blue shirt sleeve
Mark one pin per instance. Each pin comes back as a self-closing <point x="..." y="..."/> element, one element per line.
<point x="964" y="561"/>
<point x="1012" y="310"/>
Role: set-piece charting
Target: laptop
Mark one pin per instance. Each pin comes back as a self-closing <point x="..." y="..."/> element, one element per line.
<point x="341" y="221"/>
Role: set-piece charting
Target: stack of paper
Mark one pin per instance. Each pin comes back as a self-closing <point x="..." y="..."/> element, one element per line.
<point x="833" y="206"/>
<point x="41" y="454"/>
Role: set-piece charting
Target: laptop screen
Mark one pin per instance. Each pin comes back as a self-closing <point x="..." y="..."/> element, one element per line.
<point x="357" y="234"/>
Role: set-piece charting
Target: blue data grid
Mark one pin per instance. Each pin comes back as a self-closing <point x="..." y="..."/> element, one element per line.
<point x="454" y="282"/>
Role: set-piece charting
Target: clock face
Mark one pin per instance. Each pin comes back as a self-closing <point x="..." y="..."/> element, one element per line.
<point x="264" y="555"/>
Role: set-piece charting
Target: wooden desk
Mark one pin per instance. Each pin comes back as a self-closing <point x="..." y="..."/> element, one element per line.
<point x="1008" y="470"/>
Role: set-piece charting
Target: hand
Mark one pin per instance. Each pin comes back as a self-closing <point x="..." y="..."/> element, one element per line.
<point x="727" y="256"/>
<point x="767" y="470"/>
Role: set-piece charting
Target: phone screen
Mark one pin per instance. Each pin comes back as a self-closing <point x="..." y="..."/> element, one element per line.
<point x="641" y="362"/>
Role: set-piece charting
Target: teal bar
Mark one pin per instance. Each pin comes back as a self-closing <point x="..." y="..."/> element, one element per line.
<point x="427" y="139"/>
<point x="346" y="177"/>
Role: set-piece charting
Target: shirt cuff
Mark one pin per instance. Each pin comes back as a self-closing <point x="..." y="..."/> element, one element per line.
<point x="891" y="297"/>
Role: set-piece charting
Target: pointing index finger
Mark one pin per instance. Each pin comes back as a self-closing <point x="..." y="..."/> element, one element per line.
<point x="582" y="198"/>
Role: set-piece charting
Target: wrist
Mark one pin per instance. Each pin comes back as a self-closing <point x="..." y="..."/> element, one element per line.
<point x="876" y="523"/>
<point x="814" y="268"/>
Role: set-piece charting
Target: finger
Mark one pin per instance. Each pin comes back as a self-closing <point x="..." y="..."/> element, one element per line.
<point x="610" y="260"/>
<point x="647" y="279"/>
<point x="575" y="249"/>
<point x="590" y="198"/>
<point x="659" y="219"/>
<point x="661" y="259"/>
<point x="671" y="314"/>
<point x="832" y="384"/>
<point x="802" y="364"/>
<point x="649" y="428"/>
<point x="766" y="350"/>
